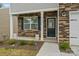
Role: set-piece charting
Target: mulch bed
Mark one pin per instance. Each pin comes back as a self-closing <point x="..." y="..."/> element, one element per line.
<point x="19" y="49"/>
<point x="36" y="46"/>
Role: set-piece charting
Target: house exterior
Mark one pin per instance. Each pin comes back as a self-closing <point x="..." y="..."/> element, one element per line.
<point x="32" y="21"/>
<point x="41" y="22"/>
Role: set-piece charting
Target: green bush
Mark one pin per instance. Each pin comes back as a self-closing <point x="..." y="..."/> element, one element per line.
<point x="64" y="46"/>
<point x="22" y="42"/>
<point x="10" y="42"/>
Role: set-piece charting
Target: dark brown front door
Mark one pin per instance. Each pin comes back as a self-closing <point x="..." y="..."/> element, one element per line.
<point x="51" y="27"/>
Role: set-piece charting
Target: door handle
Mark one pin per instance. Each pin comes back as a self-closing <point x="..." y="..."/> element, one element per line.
<point x="73" y="19"/>
<point x="73" y="37"/>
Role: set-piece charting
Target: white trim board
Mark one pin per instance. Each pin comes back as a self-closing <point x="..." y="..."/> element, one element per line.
<point x="33" y="11"/>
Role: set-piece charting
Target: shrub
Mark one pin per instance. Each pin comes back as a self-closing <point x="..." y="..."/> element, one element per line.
<point x="22" y="42"/>
<point x="64" y="45"/>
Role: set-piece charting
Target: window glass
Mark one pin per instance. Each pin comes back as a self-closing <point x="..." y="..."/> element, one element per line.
<point x="50" y="23"/>
<point x="26" y="26"/>
<point x="31" y="23"/>
<point x="26" y="20"/>
<point x="34" y="26"/>
<point x="34" y="20"/>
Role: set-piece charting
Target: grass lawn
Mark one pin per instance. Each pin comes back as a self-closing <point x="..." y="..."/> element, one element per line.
<point x="17" y="52"/>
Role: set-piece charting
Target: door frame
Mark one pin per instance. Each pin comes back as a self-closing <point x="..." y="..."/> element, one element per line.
<point x="47" y="25"/>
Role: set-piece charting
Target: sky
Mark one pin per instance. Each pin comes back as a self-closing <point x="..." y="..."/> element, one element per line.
<point x="6" y="4"/>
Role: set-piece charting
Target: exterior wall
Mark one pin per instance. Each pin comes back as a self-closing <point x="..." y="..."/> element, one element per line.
<point x="4" y="23"/>
<point x="20" y="7"/>
<point x="64" y="9"/>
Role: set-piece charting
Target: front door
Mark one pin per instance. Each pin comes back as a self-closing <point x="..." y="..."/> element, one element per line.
<point x="51" y="27"/>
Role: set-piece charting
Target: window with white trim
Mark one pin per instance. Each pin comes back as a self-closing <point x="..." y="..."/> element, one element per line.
<point x="30" y="23"/>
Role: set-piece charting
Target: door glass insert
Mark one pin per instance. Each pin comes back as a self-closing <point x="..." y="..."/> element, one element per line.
<point x="51" y="27"/>
<point x="51" y="23"/>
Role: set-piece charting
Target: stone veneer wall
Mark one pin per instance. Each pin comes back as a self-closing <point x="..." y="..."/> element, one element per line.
<point x="64" y="9"/>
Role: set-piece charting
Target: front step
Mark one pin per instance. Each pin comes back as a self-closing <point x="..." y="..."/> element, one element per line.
<point x="53" y="40"/>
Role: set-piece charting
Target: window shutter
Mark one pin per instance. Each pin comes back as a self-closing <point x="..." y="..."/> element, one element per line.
<point x="20" y="22"/>
<point x="39" y="23"/>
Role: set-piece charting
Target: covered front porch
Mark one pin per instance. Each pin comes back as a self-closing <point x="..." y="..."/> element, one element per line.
<point x="42" y="25"/>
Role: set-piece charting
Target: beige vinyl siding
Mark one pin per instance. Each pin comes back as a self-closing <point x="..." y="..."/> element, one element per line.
<point x="4" y="23"/>
<point x="15" y="24"/>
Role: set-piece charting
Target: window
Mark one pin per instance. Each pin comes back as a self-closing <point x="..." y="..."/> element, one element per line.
<point x="26" y="23"/>
<point x="31" y="23"/>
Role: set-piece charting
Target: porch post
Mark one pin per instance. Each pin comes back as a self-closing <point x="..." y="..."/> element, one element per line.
<point x="11" y="27"/>
<point x="41" y="25"/>
<point x="11" y="24"/>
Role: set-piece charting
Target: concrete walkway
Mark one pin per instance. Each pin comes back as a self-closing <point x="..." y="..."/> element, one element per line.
<point x="49" y="49"/>
<point x="75" y="49"/>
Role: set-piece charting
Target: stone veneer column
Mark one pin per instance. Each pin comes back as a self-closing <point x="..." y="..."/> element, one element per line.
<point x="64" y="9"/>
